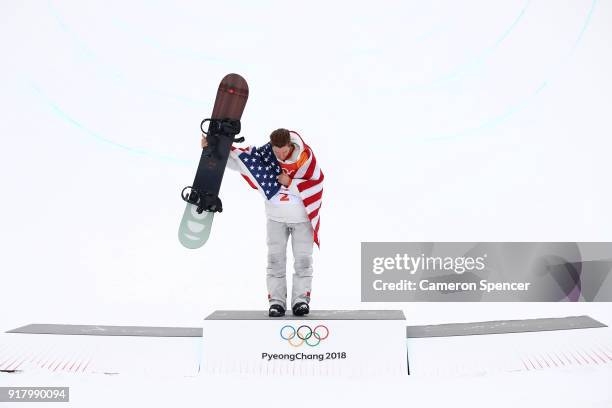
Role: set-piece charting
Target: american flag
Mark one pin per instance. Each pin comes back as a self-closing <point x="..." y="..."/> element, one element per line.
<point x="259" y="167"/>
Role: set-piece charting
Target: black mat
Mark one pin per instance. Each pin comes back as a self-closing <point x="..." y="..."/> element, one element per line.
<point x="503" y="326"/>
<point x="442" y="330"/>
<point x="93" y="330"/>
<point x="313" y="315"/>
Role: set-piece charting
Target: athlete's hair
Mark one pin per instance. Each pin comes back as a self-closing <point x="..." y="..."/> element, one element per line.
<point x="280" y="137"/>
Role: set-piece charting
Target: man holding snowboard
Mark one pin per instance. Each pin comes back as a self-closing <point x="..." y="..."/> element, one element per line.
<point x="286" y="172"/>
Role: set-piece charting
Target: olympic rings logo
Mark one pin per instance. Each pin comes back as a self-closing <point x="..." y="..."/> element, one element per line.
<point x="304" y="334"/>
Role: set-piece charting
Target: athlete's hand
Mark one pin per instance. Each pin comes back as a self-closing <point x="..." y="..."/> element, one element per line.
<point x="284" y="179"/>
<point x="204" y="142"/>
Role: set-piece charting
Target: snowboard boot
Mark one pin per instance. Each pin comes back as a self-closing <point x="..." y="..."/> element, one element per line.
<point x="276" y="311"/>
<point x="301" y="309"/>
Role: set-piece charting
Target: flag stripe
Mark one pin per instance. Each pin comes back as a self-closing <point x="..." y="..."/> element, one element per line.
<point x="313" y="198"/>
<point x="314" y="213"/>
<point x="314" y="221"/>
<point x="302" y="170"/>
<point x="313" y="207"/>
<point x="316" y="202"/>
<point x="249" y="181"/>
<point x="305" y="185"/>
<point x="311" y="169"/>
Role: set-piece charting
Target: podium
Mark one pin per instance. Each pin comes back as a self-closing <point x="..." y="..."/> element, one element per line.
<point x="324" y="342"/>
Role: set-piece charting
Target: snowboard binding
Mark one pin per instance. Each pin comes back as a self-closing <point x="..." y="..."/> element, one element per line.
<point x="204" y="200"/>
<point x="218" y="128"/>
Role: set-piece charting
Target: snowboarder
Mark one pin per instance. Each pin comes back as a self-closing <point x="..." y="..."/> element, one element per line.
<point x="285" y="171"/>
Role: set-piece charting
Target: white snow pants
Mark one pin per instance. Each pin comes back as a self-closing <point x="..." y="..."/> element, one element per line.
<point x="302" y="240"/>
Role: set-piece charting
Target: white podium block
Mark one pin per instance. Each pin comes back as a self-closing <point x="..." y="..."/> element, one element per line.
<point x="331" y="342"/>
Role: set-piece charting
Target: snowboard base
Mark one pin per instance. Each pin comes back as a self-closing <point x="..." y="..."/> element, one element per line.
<point x="195" y="228"/>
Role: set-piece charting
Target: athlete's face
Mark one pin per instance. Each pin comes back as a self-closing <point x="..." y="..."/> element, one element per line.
<point x="281" y="153"/>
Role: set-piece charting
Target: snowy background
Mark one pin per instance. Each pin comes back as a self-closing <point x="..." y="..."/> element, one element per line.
<point x="433" y="121"/>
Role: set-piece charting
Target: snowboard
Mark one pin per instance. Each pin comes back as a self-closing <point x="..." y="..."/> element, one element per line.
<point x="202" y="197"/>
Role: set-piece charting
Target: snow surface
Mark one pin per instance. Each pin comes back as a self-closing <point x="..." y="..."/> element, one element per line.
<point x="584" y="387"/>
